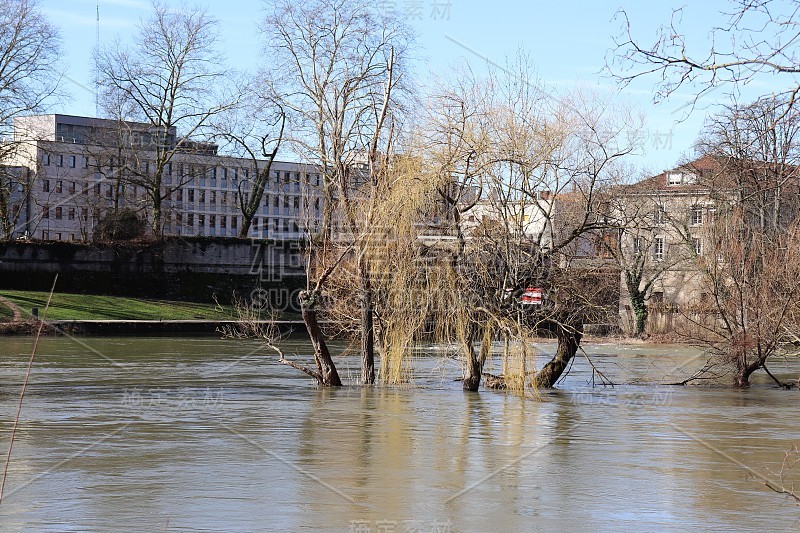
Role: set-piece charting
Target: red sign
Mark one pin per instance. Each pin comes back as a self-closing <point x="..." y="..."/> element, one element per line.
<point x="532" y="296"/>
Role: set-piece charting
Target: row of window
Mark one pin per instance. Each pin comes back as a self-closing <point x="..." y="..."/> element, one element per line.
<point x="184" y="170"/>
<point x="695" y="215"/>
<point x="659" y="245"/>
<point x="59" y="213"/>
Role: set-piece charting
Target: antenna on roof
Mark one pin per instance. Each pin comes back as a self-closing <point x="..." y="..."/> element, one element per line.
<point x="97" y="77"/>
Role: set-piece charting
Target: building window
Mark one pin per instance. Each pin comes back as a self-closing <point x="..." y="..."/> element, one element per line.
<point x="85" y="162"/>
<point x="660" y="214"/>
<point x="59" y="160"/>
<point x="190" y="219"/>
<point x="84" y="213"/>
<point x="59" y="213"/>
<point x="234" y="222"/>
<point x="680" y="178"/>
<point x="212" y="221"/>
<point x="637" y="245"/>
<point x="72" y="161"/>
<point x="697" y="245"/>
<point x="223" y="221"/>
<point x="71" y="213"/>
<point x="201" y="220"/>
<point x="59" y="186"/>
<point x="178" y="219"/>
<point x="46" y="211"/>
<point x="190" y="195"/>
<point x="213" y="197"/>
<point x="658" y="248"/>
<point x="71" y="187"/>
<point x="202" y="196"/>
<point x="46" y="159"/>
<point x="696" y="216"/>
<point x="45" y="185"/>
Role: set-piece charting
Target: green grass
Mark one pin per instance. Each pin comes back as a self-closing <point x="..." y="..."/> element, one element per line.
<point x="89" y="307"/>
<point x="5" y="313"/>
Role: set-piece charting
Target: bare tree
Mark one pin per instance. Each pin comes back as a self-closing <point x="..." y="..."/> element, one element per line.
<point x="536" y="166"/>
<point x="341" y="63"/>
<point x="750" y="269"/>
<point x="753" y="39"/>
<point x="254" y="129"/>
<point x="29" y="51"/>
<point x="172" y="79"/>
<point x="753" y="278"/>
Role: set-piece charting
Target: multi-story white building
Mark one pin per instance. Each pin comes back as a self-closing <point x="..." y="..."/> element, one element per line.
<point x="78" y="170"/>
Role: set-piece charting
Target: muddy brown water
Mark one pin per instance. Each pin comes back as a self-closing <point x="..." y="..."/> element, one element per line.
<point x="199" y="434"/>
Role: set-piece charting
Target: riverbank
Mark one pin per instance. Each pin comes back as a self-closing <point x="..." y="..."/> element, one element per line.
<point x="113" y="315"/>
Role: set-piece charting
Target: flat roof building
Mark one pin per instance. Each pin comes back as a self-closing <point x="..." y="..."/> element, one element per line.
<point x="78" y="170"/>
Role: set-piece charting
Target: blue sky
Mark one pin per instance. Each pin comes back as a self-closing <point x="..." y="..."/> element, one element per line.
<point x="567" y="40"/>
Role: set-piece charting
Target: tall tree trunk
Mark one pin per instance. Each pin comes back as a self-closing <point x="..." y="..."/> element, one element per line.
<point x="322" y="357"/>
<point x="475" y="363"/>
<point x="744" y="370"/>
<point x="472" y="369"/>
<point x="367" y="330"/>
<point x="569" y="339"/>
<point x="156" y="212"/>
<point x="640" y="313"/>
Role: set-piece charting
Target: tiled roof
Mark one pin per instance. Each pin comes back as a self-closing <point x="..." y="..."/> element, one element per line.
<point x="712" y="172"/>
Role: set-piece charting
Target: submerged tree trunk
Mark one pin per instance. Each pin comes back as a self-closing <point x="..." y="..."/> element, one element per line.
<point x="367" y="332"/>
<point x="744" y="370"/>
<point x="569" y="339"/>
<point x="328" y="376"/>
<point x="475" y="363"/>
<point x="472" y="369"/>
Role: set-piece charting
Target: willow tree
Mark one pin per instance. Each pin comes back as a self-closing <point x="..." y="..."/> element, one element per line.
<point x="172" y="78"/>
<point x="29" y="50"/>
<point x="339" y="71"/>
<point x="519" y="174"/>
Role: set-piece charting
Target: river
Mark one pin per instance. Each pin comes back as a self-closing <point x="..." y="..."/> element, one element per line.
<point x="194" y="434"/>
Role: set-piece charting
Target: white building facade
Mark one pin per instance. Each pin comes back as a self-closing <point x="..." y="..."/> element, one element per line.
<point x="81" y="169"/>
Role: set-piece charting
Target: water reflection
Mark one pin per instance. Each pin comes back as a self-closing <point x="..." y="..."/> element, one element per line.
<point x="188" y="434"/>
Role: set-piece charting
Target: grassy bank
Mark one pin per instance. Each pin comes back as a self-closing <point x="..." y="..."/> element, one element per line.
<point x="90" y="307"/>
<point x="5" y="312"/>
